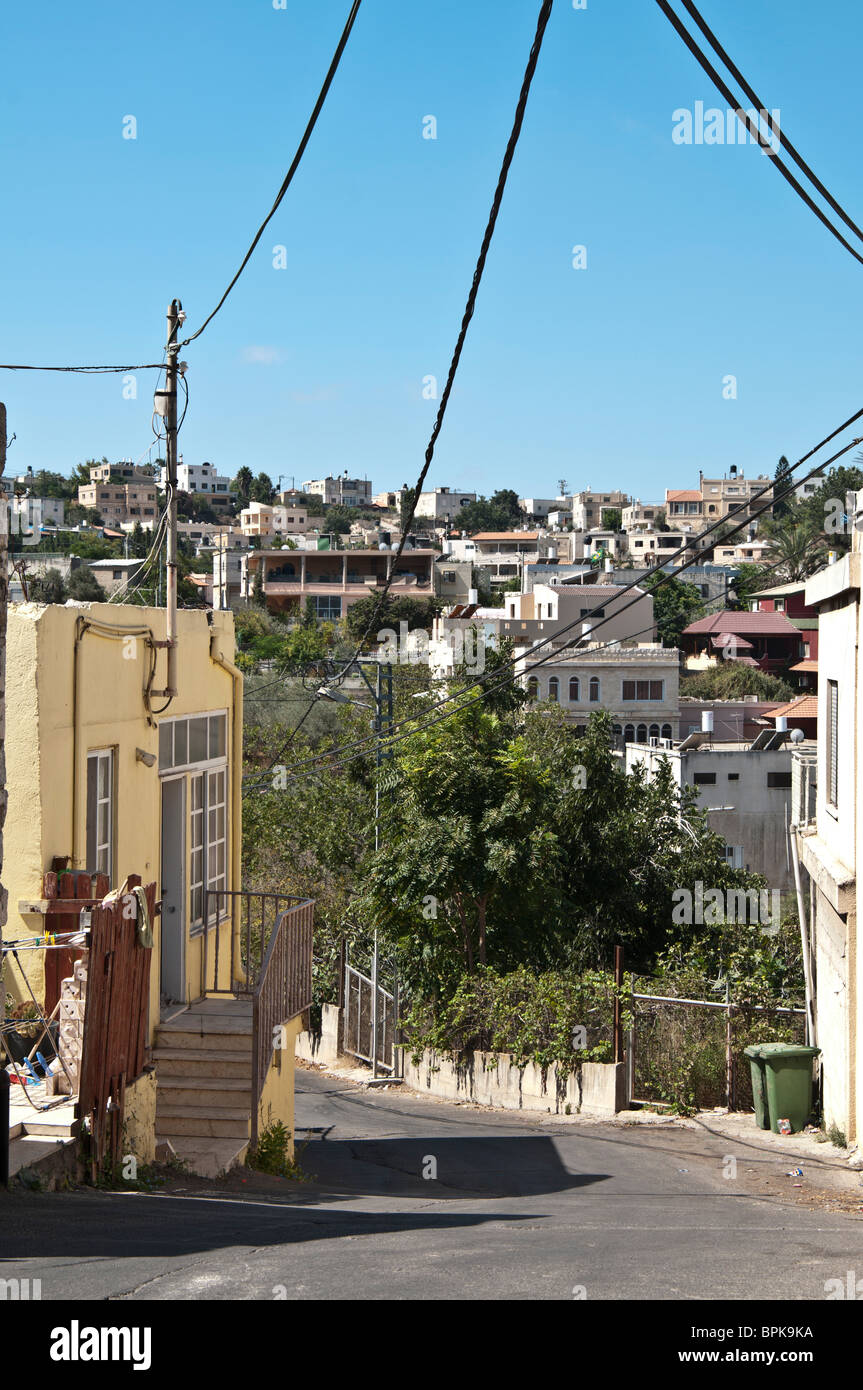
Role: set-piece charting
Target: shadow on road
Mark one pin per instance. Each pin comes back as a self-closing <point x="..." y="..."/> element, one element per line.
<point x="442" y="1167"/>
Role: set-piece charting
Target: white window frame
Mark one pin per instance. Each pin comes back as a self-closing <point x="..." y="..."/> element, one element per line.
<point x="203" y="774"/>
<point x="100" y="756"/>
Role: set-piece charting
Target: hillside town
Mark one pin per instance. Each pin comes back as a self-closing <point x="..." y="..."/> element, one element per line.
<point x="430" y="890"/>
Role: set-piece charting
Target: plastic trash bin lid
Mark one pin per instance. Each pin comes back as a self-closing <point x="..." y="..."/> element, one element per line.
<point x="753" y="1051"/>
<point x="776" y="1051"/>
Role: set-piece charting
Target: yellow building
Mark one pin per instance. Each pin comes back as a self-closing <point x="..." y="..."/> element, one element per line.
<point x="102" y="771"/>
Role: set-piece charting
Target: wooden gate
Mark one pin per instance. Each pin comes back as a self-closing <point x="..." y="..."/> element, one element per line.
<point x="115" y="1021"/>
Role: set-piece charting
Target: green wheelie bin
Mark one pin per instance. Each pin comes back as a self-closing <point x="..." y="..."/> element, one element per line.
<point x="759" y="1085"/>
<point x="788" y="1083"/>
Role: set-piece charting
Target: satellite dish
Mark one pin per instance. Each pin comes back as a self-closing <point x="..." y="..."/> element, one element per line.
<point x="797" y="735"/>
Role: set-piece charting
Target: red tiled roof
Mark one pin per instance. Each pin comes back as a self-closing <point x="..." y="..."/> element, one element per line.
<point x="761" y="624"/>
<point x="718" y="640"/>
<point x="682" y="495"/>
<point x="506" y="536"/>
<point x="806" y="665"/>
<point x="804" y="707"/>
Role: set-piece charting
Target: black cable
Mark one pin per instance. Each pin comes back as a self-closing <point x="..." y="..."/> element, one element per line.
<point x="19" y="367"/>
<point x="542" y="23"/>
<point x="751" y="125"/>
<point x="775" y="129"/>
<point x="295" y="164"/>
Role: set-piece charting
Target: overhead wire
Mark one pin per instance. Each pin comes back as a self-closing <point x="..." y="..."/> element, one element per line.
<point x="295" y="164"/>
<point x="753" y="126"/>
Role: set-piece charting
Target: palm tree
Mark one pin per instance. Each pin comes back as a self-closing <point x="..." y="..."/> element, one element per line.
<point x="799" y="545"/>
<point x="242" y="484"/>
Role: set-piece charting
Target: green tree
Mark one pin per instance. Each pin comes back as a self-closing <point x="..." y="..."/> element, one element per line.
<point x="47" y="588"/>
<point x="339" y="519"/>
<point x="611" y="518"/>
<point x="798" y="543"/>
<point x="500" y="512"/>
<point x="259" y="598"/>
<point x="416" y="612"/>
<point x="242" y="484"/>
<point x="732" y="680"/>
<point x="748" y="581"/>
<point x="262" y="489"/>
<point x="782" y="479"/>
<point x="405" y="504"/>
<point x="676" y="604"/>
<point x="84" y="586"/>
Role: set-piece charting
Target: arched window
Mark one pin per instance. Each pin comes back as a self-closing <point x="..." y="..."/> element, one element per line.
<point x="554" y="688"/>
<point x="616" y="730"/>
<point x="666" y="731"/>
<point x="654" y="731"/>
<point x="574" y="694"/>
<point x="629" y="733"/>
<point x="594" y="689"/>
<point x="533" y="688"/>
<point x="641" y="734"/>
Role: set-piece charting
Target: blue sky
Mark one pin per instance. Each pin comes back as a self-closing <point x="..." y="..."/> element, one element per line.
<point x="701" y="262"/>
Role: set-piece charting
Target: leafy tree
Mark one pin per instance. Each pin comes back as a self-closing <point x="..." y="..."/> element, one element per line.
<point x="84" y="586"/>
<point x="818" y="511"/>
<point x="339" y="519"/>
<point x="262" y="489"/>
<point x="748" y="581"/>
<point x="500" y="512"/>
<point x="611" y="518"/>
<point x="416" y="612"/>
<point x="47" y="588"/>
<point x="731" y="680"/>
<point x="798" y="542"/>
<point x="676" y="604"/>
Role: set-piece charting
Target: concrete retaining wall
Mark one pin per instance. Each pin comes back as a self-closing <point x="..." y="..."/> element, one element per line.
<point x="323" y="1046"/>
<point x="491" y="1078"/>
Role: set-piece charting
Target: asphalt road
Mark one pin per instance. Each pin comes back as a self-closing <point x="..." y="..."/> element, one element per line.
<point x="416" y="1199"/>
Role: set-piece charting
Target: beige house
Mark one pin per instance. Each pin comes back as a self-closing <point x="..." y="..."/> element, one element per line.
<point x="637" y="685"/>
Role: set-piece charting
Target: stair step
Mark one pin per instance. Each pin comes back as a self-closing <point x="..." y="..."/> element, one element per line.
<point x="180" y="1061"/>
<point x="208" y="1023"/>
<point x="202" y="1094"/>
<point x="228" y="1042"/>
<point x="201" y="1124"/>
<point x="209" y="1158"/>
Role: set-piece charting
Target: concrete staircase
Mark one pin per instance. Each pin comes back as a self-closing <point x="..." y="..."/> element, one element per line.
<point x="203" y="1059"/>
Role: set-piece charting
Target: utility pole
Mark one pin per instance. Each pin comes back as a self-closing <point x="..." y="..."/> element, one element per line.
<point x="166" y="406"/>
<point x="4" y="588"/>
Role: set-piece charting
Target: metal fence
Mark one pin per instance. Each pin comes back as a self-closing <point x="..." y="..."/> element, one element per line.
<point x="370" y="1021"/>
<point x="692" y="1050"/>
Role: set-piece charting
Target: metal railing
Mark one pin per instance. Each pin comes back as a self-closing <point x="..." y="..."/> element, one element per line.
<point x="283" y="990"/>
<point x="238" y="927"/>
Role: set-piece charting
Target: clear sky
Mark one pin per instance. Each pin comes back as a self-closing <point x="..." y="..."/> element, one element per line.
<point x="701" y="262"/>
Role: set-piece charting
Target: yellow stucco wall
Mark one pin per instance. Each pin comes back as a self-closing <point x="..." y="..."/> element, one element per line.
<point x="277" y="1097"/>
<point x="112" y="674"/>
<point x="139" y="1121"/>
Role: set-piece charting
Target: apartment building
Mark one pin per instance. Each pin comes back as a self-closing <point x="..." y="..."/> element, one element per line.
<point x="502" y="554"/>
<point x="581" y="608"/>
<point x="641" y="516"/>
<point x="201" y="480"/>
<point x="588" y="507"/>
<point x="116" y="502"/>
<point x="263" y="519"/>
<point x="28" y="515"/>
<point x="442" y="505"/>
<point x="790" y="600"/>
<point x="335" y="579"/>
<point x="341" y="491"/>
<point x="746" y="790"/>
<point x="638" y="686"/>
<point x="716" y="497"/>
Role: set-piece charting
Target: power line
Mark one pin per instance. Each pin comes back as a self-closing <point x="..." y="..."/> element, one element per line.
<point x="774" y="128"/>
<point x="664" y="578"/>
<point x="141" y="367"/>
<point x="752" y="126"/>
<point x="542" y="24"/>
<point x="295" y="164"/>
